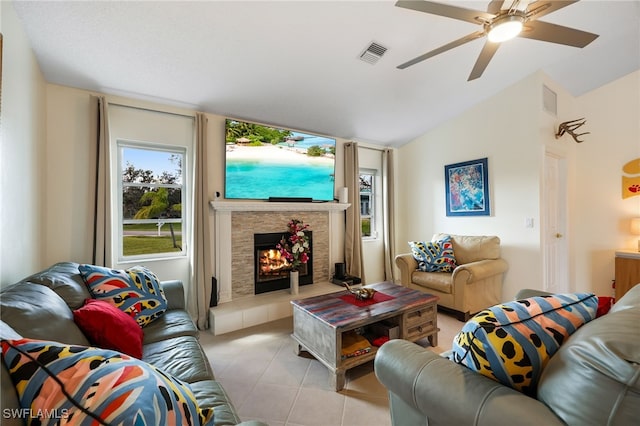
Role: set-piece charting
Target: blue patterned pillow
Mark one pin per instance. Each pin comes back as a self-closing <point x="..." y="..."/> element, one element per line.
<point x="104" y="384"/>
<point x="511" y="343"/>
<point x="135" y="291"/>
<point x="434" y="256"/>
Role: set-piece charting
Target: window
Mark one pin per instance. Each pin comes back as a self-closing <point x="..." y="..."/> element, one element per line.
<point x="367" y="197"/>
<point x="152" y="194"/>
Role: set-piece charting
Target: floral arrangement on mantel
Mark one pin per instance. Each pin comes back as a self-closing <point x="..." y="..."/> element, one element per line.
<point x="295" y="248"/>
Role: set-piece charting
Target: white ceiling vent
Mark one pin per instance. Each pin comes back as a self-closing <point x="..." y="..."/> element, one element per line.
<point x="373" y="53"/>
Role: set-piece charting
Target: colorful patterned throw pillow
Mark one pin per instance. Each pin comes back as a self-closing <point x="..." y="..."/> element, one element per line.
<point x="135" y="291"/>
<point x="434" y="256"/>
<point x="99" y="384"/>
<point x="512" y="342"/>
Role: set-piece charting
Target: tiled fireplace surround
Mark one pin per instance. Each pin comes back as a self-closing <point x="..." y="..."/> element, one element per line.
<point x="245" y="224"/>
<point x="235" y="225"/>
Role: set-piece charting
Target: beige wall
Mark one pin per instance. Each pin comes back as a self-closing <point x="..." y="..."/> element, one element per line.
<point x="504" y="129"/>
<point x="21" y="153"/>
<point x="513" y="131"/>
<point x="70" y="169"/>
<point x="602" y="217"/>
<point x="69" y="177"/>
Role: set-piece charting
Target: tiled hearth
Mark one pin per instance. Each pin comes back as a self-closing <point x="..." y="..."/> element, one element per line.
<point x="235" y="225"/>
<point x="262" y="308"/>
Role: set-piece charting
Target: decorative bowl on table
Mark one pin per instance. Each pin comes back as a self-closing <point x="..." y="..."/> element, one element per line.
<point x="361" y="293"/>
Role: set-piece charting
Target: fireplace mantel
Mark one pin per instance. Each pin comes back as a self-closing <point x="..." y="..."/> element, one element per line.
<point x="266" y="206"/>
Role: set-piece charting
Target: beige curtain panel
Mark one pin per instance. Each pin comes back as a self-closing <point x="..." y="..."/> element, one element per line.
<point x="201" y="268"/>
<point x="388" y="195"/>
<point x="101" y="201"/>
<point x="353" y="226"/>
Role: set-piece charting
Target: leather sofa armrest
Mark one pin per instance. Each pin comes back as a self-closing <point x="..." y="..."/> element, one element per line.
<point x="446" y="393"/>
<point x="407" y="264"/>
<point x="174" y="292"/>
<point x="475" y="271"/>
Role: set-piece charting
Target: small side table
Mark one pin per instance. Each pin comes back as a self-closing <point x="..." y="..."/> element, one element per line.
<point x="627" y="271"/>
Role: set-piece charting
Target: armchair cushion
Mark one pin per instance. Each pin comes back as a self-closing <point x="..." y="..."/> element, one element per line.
<point x="512" y="342"/>
<point x="434" y="256"/>
<point x="435" y="281"/>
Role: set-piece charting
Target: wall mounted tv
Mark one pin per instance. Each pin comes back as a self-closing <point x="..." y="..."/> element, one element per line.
<point x="264" y="162"/>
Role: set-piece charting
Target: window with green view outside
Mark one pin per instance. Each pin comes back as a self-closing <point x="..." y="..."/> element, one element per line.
<point x="366" y="204"/>
<point x="152" y="195"/>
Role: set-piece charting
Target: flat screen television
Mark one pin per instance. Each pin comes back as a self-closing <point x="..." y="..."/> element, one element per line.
<point x="263" y="162"/>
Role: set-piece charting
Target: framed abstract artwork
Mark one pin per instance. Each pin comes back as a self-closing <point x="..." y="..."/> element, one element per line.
<point x="467" y="188"/>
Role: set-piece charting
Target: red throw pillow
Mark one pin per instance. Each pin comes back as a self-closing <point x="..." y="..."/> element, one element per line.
<point x="604" y="304"/>
<point x="109" y="328"/>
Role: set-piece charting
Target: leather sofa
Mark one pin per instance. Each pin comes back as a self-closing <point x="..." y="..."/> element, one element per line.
<point x="40" y="307"/>
<point x="475" y="284"/>
<point x="593" y="379"/>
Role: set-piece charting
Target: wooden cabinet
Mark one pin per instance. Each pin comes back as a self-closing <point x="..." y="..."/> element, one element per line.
<point x="627" y="271"/>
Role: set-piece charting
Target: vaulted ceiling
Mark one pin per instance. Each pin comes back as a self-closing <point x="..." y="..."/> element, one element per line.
<point x="296" y="63"/>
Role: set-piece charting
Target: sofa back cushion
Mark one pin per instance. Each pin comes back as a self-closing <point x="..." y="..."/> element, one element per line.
<point x="631" y="299"/>
<point x="63" y="278"/>
<point x="36" y="311"/>
<point x="471" y="248"/>
<point x="594" y="378"/>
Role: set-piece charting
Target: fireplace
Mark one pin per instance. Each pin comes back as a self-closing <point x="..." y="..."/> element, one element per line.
<point x="271" y="271"/>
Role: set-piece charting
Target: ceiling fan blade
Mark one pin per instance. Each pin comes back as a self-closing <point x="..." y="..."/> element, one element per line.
<point x="495" y="6"/>
<point x="541" y="8"/>
<point x="553" y="33"/>
<point x="441" y="49"/>
<point x="483" y="60"/>
<point x="454" y="12"/>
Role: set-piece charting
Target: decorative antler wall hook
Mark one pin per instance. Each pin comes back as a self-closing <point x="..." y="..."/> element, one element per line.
<point x="570" y="127"/>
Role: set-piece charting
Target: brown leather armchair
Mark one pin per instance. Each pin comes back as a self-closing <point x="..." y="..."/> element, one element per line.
<point x="475" y="284"/>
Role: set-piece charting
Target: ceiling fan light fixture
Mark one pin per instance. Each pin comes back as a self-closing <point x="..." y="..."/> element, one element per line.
<point x="505" y="28"/>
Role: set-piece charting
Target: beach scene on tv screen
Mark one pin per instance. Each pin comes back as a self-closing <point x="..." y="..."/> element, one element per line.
<point x="264" y="162"/>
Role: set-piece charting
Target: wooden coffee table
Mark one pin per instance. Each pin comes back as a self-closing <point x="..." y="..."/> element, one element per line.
<point x="319" y="322"/>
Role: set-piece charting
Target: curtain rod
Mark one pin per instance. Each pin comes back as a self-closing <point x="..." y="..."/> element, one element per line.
<point x="374" y="149"/>
<point x="150" y="110"/>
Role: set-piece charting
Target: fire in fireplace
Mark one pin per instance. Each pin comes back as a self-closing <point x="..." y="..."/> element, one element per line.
<point x="271" y="270"/>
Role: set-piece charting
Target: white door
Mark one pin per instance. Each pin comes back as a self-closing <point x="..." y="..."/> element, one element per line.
<point x="554" y="235"/>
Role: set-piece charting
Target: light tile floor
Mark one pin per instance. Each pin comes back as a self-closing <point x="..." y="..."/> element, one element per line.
<point x="267" y="381"/>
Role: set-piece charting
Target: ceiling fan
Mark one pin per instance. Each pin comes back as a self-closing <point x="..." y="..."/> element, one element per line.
<point x="502" y="21"/>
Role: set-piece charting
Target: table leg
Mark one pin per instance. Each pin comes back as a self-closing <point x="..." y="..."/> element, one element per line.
<point x="433" y="339"/>
<point x="337" y="379"/>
